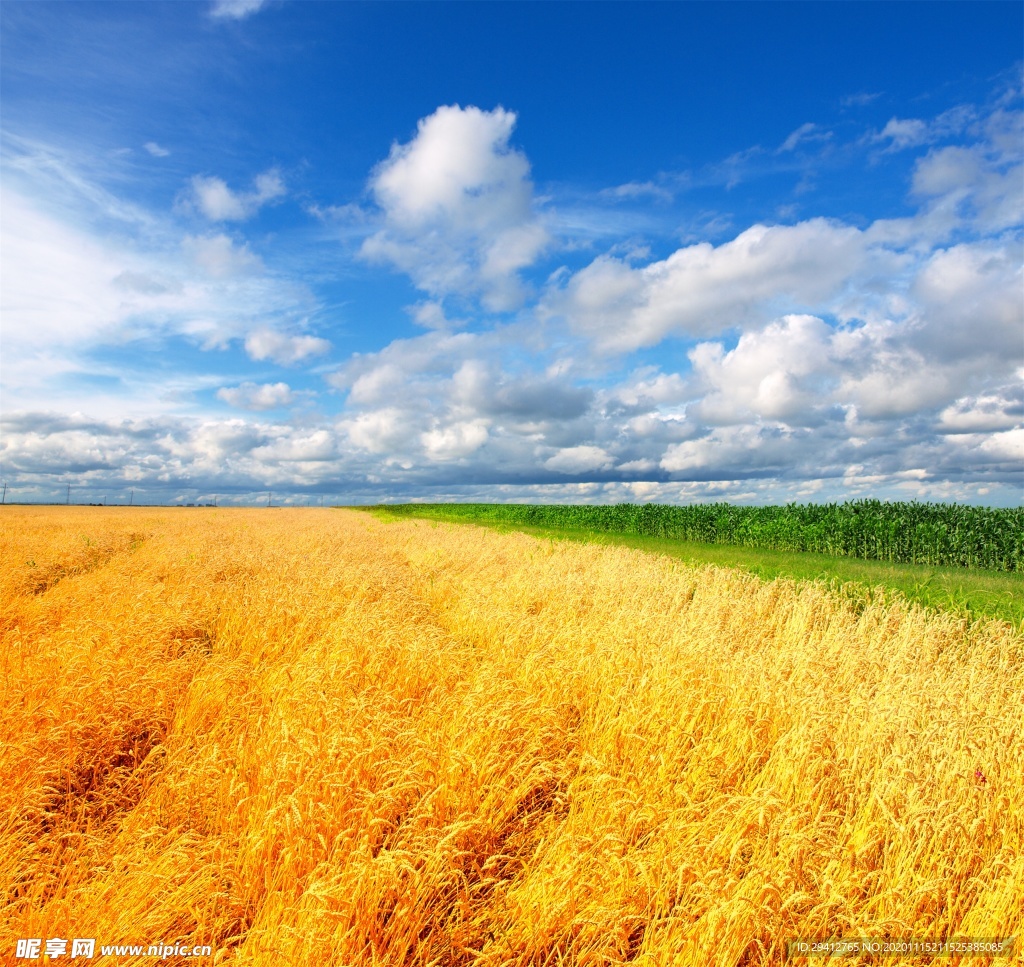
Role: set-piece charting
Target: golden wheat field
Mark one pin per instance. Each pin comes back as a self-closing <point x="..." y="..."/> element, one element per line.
<point x="312" y="737"/>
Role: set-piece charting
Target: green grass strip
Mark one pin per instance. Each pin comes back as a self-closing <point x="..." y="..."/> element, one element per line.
<point x="897" y="532"/>
<point x="973" y="593"/>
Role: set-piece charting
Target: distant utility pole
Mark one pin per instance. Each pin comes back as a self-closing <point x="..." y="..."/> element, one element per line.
<point x="214" y="500"/>
<point x="3" y="500"/>
<point x="131" y="498"/>
<point x="67" y="499"/>
<point x="321" y="497"/>
<point x="269" y="495"/>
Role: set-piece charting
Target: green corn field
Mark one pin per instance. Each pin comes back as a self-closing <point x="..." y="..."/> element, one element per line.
<point x="941" y="535"/>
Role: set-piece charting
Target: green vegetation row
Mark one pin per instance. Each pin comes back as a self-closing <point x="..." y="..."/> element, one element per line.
<point x="940" y="535"/>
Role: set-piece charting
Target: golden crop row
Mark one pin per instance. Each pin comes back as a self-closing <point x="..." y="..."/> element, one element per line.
<point x="310" y="737"/>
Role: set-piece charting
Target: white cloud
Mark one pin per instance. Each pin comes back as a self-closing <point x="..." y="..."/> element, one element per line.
<point x="56" y="279"/>
<point x="385" y="431"/>
<point x="859" y="100"/>
<point x="252" y="396"/>
<point x="219" y="203"/>
<point x="746" y="449"/>
<point x="579" y="459"/>
<point x="903" y="133"/>
<point x="981" y="414"/>
<point x="155" y="150"/>
<point x="805" y="133"/>
<point x="970" y="300"/>
<point x="701" y="289"/>
<point x="651" y="387"/>
<point x="992" y="185"/>
<point x="775" y="374"/>
<point x="950" y="169"/>
<point x="520" y="399"/>
<point x="639" y="189"/>
<point x="816" y="358"/>
<point x="311" y="453"/>
<point x="430" y="315"/>
<point x="287" y="350"/>
<point x="458" y="208"/>
<point x="219" y="257"/>
<point x="1008" y="446"/>
<point x="378" y="384"/>
<point x="216" y="201"/>
<point x="235" y="9"/>
<point x="70" y="287"/>
<point x="885" y="379"/>
<point x="454" y="441"/>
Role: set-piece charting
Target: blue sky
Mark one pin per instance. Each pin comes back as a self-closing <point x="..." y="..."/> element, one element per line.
<point x="489" y="251"/>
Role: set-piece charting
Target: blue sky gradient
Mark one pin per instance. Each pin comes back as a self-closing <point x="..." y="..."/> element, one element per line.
<point x="562" y="251"/>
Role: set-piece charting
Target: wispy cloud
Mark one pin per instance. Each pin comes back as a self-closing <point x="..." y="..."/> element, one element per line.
<point x="639" y="189"/>
<point x="86" y="272"/>
<point x="860" y="100"/>
<point x="219" y="257"/>
<point x="805" y="133"/>
<point x="235" y="9"/>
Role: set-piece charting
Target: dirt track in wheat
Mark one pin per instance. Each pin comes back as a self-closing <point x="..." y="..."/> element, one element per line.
<point x="311" y="737"/>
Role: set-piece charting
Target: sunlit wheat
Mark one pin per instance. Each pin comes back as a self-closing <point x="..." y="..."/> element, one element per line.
<point x="311" y="737"/>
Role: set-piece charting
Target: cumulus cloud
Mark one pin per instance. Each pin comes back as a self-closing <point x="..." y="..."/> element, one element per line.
<point x="970" y="304"/>
<point x="817" y="358"/>
<point x="747" y="450"/>
<point x="382" y="431"/>
<point x="779" y="373"/>
<point x="990" y="413"/>
<point x="430" y="315"/>
<point x="287" y="350"/>
<point x="217" y="202"/>
<point x="579" y="459"/>
<point x="457" y="203"/>
<point x="253" y="396"/>
<point x="800" y="371"/>
<point x="824" y="352"/>
<point x="703" y="289"/>
<point x="481" y="387"/>
<point x="454" y="441"/>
